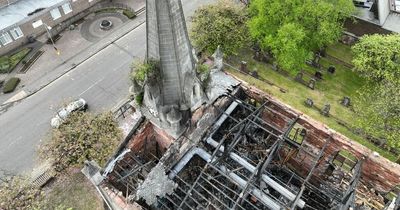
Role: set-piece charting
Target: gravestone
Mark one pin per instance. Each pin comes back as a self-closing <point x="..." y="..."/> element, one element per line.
<point x="311" y="84"/>
<point x="243" y="67"/>
<point x="299" y="77"/>
<point x="309" y="102"/>
<point x="331" y="69"/>
<point x="322" y="52"/>
<point x="318" y="75"/>
<point x="254" y="74"/>
<point x="257" y="56"/>
<point x="275" y="67"/>
<point x="326" y="109"/>
<point x="315" y="61"/>
<point x="345" y="101"/>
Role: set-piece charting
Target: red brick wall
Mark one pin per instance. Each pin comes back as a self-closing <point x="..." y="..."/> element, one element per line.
<point x="377" y="171"/>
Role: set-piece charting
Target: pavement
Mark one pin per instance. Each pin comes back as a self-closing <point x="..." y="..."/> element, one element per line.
<point x="99" y="73"/>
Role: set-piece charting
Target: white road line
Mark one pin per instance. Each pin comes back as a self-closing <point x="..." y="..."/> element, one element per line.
<point x="91" y="86"/>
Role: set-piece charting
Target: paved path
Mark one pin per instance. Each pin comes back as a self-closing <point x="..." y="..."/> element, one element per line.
<point x="100" y="76"/>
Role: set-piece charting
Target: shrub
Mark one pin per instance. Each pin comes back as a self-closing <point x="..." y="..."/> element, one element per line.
<point x="139" y="99"/>
<point x="16" y="192"/>
<point x="4" y="64"/>
<point x="83" y="136"/>
<point x="129" y="14"/>
<point x="142" y="71"/>
<point x="11" y="84"/>
<point x="202" y="69"/>
<point x="8" y="63"/>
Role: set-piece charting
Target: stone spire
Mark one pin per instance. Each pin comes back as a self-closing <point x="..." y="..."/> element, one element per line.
<point x="177" y="91"/>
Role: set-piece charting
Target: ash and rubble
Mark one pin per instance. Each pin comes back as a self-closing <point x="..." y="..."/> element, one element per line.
<point x="155" y="185"/>
<point x="243" y="153"/>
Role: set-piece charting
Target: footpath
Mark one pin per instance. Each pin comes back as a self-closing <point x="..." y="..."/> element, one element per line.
<point x="46" y="76"/>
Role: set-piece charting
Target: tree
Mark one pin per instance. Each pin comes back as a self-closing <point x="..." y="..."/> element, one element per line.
<point x="221" y="24"/>
<point x="82" y="137"/>
<point x="377" y="58"/>
<point x="293" y="29"/>
<point x="378" y="107"/>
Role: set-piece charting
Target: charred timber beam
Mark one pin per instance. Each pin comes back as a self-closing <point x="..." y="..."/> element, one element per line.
<point x="315" y="163"/>
<point x="271" y="155"/>
<point x="349" y="197"/>
<point x="266" y="200"/>
<point x="269" y="181"/>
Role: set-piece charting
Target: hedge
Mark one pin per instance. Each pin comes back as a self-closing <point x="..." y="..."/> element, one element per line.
<point x="11" y="84"/>
<point x="129" y="14"/>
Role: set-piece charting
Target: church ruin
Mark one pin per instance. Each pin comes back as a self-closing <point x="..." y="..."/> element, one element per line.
<point x="227" y="145"/>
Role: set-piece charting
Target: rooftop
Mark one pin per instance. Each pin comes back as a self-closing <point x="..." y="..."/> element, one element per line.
<point x="18" y="11"/>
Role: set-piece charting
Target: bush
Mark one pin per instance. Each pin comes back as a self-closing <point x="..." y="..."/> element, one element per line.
<point x="129" y="14"/>
<point x="83" y="136"/>
<point x="142" y="71"/>
<point x="11" y="84"/>
<point x="4" y="64"/>
<point x="139" y="99"/>
<point x="16" y="192"/>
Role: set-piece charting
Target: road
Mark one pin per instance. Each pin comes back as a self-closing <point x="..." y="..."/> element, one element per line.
<point x="102" y="80"/>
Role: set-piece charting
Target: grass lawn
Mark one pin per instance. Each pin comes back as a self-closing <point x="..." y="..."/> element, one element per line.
<point x="330" y="90"/>
<point x="75" y="192"/>
<point x="341" y="52"/>
<point x="8" y="63"/>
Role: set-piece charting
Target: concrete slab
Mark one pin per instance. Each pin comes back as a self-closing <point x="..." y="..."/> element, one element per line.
<point x="392" y="22"/>
<point x="20" y="95"/>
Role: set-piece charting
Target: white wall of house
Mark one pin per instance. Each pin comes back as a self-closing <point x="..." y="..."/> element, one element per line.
<point x="383" y="10"/>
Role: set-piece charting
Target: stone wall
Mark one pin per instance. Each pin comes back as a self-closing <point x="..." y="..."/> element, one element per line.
<point x="377" y="171"/>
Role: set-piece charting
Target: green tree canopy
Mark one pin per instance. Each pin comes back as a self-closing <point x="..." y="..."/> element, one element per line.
<point x="83" y="136"/>
<point x="293" y="29"/>
<point x="377" y="57"/>
<point x="379" y="109"/>
<point x="221" y="24"/>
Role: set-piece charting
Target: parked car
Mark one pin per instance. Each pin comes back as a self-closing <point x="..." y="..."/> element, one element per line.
<point x="62" y="114"/>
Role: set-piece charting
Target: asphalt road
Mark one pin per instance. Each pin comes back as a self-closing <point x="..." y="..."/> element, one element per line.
<point x="102" y="80"/>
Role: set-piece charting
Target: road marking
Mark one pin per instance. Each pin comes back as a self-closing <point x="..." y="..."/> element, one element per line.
<point x="91" y="86"/>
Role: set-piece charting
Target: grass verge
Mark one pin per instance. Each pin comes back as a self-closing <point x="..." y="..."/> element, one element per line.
<point x="129" y="14"/>
<point x="73" y="191"/>
<point x="8" y="63"/>
<point x="330" y="90"/>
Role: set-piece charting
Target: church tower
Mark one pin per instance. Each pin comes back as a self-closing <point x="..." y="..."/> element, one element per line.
<point x="170" y="98"/>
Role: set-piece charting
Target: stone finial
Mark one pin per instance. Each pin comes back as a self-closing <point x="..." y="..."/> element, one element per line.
<point x="218" y="60"/>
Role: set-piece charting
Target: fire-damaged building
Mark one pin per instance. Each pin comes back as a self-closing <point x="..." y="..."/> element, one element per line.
<point x="219" y="143"/>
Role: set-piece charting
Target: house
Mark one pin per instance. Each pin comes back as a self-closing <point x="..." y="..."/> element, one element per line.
<point x="384" y="13"/>
<point x="23" y="20"/>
